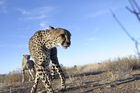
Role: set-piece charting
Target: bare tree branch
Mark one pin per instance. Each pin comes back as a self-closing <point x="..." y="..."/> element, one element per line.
<point x="130" y="10"/>
<point x="124" y="29"/>
<point x="132" y="5"/>
<point x="135" y="8"/>
<point x="127" y="33"/>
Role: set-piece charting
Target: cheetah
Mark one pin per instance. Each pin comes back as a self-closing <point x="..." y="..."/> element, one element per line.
<point x="28" y="65"/>
<point x="42" y="47"/>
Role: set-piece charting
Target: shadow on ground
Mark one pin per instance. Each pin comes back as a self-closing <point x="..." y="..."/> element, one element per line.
<point x="85" y="74"/>
<point x="114" y="83"/>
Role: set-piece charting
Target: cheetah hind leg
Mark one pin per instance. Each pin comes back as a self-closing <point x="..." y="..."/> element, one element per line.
<point x="34" y="88"/>
<point x="61" y="75"/>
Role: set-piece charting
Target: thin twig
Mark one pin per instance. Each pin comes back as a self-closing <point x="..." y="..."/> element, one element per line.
<point x="135" y="8"/>
<point x="130" y="10"/>
<point x="127" y="33"/>
<point x="124" y="29"/>
<point x="132" y="5"/>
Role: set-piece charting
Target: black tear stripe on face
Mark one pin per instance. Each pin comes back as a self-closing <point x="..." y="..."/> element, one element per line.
<point x="62" y="35"/>
<point x="63" y="42"/>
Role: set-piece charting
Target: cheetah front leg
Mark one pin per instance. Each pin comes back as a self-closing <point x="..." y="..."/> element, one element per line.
<point x="61" y="75"/>
<point x="34" y="88"/>
<point x="41" y="73"/>
<point x="23" y="76"/>
<point x="52" y="72"/>
<point x="46" y="81"/>
<point x="31" y="75"/>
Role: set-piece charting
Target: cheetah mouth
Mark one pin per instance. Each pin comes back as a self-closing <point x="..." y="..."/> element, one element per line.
<point x="63" y="46"/>
<point x="66" y="46"/>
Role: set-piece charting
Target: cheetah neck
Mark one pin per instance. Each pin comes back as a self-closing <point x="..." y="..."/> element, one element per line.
<point x="47" y="40"/>
<point x="50" y="44"/>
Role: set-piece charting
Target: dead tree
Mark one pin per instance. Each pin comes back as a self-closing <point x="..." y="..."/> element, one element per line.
<point x="127" y="33"/>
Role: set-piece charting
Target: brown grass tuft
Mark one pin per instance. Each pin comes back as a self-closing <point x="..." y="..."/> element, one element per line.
<point x="119" y="65"/>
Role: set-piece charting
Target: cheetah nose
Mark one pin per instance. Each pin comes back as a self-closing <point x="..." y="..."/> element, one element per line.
<point x="68" y="43"/>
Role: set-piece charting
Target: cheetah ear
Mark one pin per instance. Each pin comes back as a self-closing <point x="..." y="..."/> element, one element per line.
<point x="51" y="28"/>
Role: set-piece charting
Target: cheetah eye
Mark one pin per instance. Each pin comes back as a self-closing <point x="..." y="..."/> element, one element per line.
<point x="62" y="35"/>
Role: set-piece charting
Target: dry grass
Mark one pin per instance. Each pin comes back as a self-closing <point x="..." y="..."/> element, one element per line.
<point x="121" y="64"/>
<point x="116" y="68"/>
<point x="79" y="76"/>
<point x="13" y="77"/>
<point x="118" y="64"/>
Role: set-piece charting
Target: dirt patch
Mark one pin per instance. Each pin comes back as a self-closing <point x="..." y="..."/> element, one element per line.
<point x="88" y="83"/>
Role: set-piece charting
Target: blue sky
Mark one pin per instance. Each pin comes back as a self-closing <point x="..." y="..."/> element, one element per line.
<point x="95" y="34"/>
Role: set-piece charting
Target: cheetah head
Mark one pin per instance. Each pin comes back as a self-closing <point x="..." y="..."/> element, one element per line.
<point x="26" y="57"/>
<point x="61" y="36"/>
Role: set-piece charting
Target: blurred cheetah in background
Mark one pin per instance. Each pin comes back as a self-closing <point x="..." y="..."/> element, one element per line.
<point x="28" y="65"/>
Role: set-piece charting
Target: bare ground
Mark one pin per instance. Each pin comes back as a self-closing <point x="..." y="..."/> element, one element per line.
<point x="91" y="82"/>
